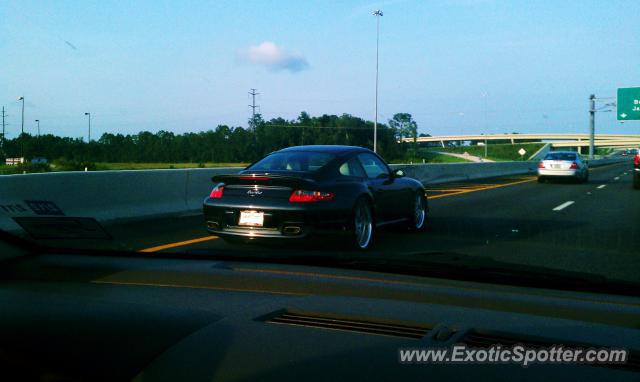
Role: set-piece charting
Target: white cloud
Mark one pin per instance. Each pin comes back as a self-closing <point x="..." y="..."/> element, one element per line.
<point x="273" y="57"/>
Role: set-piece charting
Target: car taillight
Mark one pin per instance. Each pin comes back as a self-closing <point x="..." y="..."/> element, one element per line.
<point x="217" y="192"/>
<point x="541" y="164"/>
<point x="302" y="196"/>
<point x="636" y="160"/>
<point x="574" y="166"/>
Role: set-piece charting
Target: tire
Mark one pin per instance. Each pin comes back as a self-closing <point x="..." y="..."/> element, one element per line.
<point x="585" y="179"/>
<point x="418" y="219"/>
<point x="541" y="179"/>
<point x="363" y="225"/>
<point x="636" y="182"/>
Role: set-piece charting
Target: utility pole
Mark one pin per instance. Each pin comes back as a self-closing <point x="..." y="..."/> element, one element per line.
<point x="38" y="122"/>
<point x="377" y="14"/>
<point x="592" y="124"/>
<point x="253" y="106"/>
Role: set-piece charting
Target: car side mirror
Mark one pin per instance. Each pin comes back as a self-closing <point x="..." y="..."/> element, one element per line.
<point x="398" y="173"/>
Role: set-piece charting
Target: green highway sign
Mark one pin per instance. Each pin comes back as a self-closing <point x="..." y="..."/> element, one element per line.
<point x="628" y="104"/>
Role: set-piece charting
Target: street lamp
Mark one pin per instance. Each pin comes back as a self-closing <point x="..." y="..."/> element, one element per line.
<point x="22" y="130"/>
<point x="486" y="127"/>
<point x="38" y="122"/>
<point x="377" y="13"/>
<point x="89" y="115"/>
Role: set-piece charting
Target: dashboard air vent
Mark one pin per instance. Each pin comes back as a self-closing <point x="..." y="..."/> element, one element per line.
<point x="350" y="324"/>
<point x="485" y="340"/>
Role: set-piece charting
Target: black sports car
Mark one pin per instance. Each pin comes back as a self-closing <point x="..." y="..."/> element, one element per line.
<point x="305" y="190"/>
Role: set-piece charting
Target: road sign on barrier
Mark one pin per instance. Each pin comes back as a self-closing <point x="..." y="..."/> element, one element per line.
<point x="14" y="161"/>
<point x="628" y="104"/>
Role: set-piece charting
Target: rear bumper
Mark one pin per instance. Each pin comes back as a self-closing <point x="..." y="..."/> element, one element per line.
<point x="564" y="173"/>
<point x="296" y="222"/>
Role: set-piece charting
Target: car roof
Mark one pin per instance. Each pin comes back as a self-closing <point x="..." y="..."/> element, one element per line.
<point x="332" y="149"/>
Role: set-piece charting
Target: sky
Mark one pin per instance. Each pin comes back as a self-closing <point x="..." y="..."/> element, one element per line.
<point x="458" y="66"/>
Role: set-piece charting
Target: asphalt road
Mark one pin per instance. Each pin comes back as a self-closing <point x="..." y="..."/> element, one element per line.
<point x="592" y="227"/>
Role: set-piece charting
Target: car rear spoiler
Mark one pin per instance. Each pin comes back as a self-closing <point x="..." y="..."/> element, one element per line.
<point x="264" y="180"/>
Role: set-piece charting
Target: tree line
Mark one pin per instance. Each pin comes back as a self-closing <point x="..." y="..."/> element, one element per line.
<point x="222" y="144"/>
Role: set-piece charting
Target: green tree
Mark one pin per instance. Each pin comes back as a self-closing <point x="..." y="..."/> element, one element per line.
<point x="405" y="125"/>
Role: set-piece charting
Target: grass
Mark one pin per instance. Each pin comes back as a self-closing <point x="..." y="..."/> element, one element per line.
<point x="431" y="157"/>
<point x="152" y="166"/>
<point x="102" y="166"/>
<point x="496" y="152"/>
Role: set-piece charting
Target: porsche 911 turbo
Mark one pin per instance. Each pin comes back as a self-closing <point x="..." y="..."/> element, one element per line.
<point x="314" y="190"/>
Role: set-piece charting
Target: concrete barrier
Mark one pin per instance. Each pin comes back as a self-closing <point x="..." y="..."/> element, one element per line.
<point x="104" y="195"/>
<point x="139" y="194"/>
<point x="456" y="172"/>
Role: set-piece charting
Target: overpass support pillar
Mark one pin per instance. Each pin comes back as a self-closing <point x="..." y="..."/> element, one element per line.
<point x="442" y="143"/>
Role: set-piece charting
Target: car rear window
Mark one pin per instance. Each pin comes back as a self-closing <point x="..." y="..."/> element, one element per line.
<point x="293" y="161"/>
<point x="560" y="156"/>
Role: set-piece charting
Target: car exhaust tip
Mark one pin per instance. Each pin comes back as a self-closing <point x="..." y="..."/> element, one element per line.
<point x="213" y="225"/>
<point x="291" y="230"/>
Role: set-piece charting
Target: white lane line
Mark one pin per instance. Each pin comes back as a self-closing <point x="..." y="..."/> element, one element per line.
<point x="602" y="186"/>
<point x="616" y="178"/>
<point x="564" y="205"/>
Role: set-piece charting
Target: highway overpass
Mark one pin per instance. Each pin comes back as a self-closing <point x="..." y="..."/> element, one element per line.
<point x="556" y="140"/>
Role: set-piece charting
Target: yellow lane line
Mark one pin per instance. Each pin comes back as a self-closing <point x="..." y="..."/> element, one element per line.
<point x="483" y="188"/>
<point x="178" y="244"/>
<point x="452" y="189"/>
<point x="164" y="285"/>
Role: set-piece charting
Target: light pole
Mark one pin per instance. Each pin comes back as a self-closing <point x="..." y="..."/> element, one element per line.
<point x="22" y="130"/>
<point x="38" y="122"/>
<point x="486" y="127"/>
<point x="377" y="14"/>
<point x="89" y="115"/>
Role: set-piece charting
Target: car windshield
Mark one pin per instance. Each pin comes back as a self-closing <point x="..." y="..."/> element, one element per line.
<point x="402" y="130"/>
<point x="293" y="161"/>
<point x="560" y="156"/>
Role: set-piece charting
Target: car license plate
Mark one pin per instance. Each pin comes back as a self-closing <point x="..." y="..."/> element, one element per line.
<point x="555" y="166"/>
<point x="251" y="218"/>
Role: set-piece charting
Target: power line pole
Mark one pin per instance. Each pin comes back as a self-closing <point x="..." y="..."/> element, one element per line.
<point x="253" y="106"/>
<point x="592" y="124"/>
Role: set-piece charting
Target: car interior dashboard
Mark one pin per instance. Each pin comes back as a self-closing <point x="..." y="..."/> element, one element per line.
<point x="67" y="317"/>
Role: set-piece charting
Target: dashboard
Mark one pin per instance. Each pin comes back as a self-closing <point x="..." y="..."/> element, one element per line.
<point x="95" y="317"/>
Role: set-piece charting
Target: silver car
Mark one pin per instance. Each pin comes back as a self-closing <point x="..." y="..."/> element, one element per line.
<point x="566" y="164"/>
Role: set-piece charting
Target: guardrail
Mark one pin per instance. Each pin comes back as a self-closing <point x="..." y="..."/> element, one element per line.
<point x="139" y="194"/>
